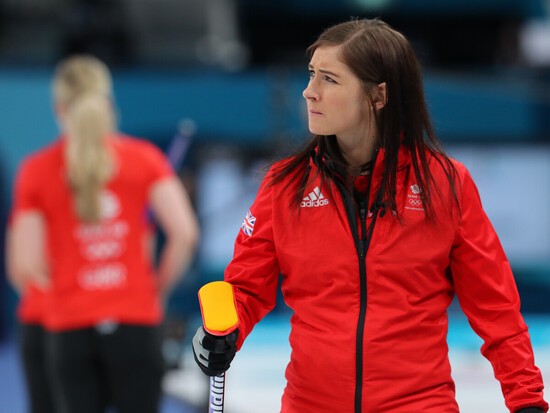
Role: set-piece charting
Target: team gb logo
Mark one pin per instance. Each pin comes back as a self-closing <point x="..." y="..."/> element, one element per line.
<point x="415" y="189"/>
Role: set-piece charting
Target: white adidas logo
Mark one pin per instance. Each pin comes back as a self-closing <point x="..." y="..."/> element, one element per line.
<point x="314" y="199"/>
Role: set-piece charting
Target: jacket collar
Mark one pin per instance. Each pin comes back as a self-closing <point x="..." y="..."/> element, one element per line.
<point x="403" y="160"/>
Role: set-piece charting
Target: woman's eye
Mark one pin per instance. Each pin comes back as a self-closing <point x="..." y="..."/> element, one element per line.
<point x="329" y="79"/>
<point x="311" y="74"/>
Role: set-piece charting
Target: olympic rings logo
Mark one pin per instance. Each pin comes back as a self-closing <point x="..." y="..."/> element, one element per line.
<point x="415" y="202"/>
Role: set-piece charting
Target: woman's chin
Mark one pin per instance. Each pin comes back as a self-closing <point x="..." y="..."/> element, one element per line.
<point x="319" y="131"/>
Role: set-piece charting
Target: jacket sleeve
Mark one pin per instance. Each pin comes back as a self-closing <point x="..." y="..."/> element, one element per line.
<point x="254" y="269"/>
<point x="488" y="295"/>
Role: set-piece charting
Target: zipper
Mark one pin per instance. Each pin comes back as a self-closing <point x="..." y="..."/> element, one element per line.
<point x="362" y="252"/>
<point x="366" y="238"/>
<point x="362" y="241"/>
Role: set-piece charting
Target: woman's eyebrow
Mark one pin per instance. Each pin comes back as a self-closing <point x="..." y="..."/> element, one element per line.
<point x="324" y="71"/>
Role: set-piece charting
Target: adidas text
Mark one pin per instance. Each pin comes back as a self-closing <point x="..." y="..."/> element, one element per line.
<point x="311" y="204"/>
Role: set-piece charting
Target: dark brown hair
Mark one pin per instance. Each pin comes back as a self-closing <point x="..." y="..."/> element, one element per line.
<point x="377" y="53"/>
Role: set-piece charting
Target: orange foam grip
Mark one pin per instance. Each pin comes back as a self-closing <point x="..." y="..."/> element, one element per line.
<point x="218" y="309"/>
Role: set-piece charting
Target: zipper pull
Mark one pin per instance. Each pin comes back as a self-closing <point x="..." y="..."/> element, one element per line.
<point x="362" y="213"/>
<point x="363" y="218"/>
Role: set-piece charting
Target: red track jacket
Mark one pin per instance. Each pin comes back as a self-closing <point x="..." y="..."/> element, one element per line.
<point x="368" y="331"/>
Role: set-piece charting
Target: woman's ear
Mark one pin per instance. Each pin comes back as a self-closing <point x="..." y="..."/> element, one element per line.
<point x="380" y="96"/>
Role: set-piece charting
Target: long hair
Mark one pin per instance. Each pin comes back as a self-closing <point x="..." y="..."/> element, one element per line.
<point x="82" y="86"/>
<point x="377" y="53"/>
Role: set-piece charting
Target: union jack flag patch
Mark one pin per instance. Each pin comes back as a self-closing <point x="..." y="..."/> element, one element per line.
<point x="248" y="224"/>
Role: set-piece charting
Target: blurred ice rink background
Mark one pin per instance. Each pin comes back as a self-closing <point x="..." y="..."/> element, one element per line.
<point x="236" y="69"/>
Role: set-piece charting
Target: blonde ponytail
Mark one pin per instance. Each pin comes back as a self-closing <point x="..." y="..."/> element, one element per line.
<point x="89" y="163"/>
<point x="82" y="88"/>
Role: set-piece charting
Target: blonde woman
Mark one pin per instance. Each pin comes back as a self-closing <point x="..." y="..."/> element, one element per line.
<point x="79" y="248"/>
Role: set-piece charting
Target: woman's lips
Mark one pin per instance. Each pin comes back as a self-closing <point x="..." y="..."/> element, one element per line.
<point x="314" y="112"/>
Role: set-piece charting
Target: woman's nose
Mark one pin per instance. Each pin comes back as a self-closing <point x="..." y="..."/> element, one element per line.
<point x="309" y="93"/>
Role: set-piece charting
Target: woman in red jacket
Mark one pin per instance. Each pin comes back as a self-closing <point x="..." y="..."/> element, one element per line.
<point x="80" y="241"/>
<point x="374" y="229"/>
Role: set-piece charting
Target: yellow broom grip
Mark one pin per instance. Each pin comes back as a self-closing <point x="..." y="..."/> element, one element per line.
<point x="218" y="309"/>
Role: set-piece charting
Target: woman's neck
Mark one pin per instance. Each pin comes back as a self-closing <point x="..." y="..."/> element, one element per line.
<point x="359" y="152"/>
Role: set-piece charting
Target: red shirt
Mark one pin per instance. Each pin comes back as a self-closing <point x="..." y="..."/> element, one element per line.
<point x="100" y="271"/>
<point x="370" y="331"/>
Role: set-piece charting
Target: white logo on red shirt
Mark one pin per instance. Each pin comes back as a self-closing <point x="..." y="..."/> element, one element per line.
<point x="414" y="200"/>
<point x="102" y="277"/>
<point x="314" y="199"/>
<point x="109" y="205"/>
<point x="101" y="243"/>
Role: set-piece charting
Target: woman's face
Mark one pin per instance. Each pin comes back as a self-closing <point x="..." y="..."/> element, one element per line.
<point x="336" y="101"/>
